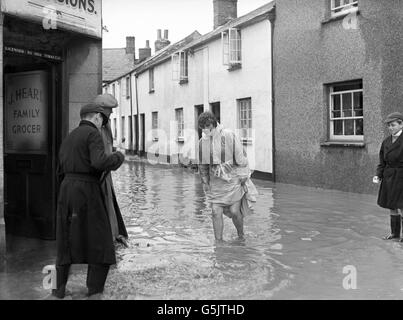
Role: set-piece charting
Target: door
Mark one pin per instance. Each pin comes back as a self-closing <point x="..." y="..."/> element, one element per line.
<point x="143" y="134"/>
<point x="198" y="111"/>
<point x="215" y="109"/>
<point x="30" y="147"/>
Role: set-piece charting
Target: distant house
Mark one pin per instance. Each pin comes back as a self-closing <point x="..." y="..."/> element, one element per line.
<point x="227" y="71"/>
<point x="338" y="73"/>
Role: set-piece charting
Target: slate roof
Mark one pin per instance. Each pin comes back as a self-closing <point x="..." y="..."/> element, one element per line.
<point x="115" y="63"/>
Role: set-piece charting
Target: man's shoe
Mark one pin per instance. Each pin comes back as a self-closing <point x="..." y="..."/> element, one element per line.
<point x="395" y="226"/>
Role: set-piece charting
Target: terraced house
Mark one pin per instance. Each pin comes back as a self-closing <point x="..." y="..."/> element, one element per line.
<point x="227" y="71"/>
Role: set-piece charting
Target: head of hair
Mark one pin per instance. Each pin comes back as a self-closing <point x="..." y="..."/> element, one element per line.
<point x="206" y="119"/>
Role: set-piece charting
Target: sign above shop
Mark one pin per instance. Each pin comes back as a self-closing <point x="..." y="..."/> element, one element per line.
<point x="32" y="53"/>
<point x="83" y="16"/>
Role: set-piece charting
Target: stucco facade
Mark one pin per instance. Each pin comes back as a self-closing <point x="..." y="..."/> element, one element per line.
<point x="209" y="81"/>
<point x="313" y="50"/>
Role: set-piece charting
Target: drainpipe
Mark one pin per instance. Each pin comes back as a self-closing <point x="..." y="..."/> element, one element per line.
<point x="138" y="116"/>
<point x="131" y="113"/>
<point x="271" y="17"/>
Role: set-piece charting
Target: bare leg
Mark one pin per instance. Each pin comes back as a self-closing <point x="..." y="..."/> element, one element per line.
<point x="218" y="222"/>
<point x="237" y="218"/>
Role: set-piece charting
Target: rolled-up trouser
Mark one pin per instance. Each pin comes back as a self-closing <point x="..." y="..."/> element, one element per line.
<point x="96" y="278"/>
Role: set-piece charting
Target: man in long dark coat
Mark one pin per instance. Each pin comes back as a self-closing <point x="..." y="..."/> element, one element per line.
<point x="390" y="173"/>
<point x="83" y="231"/>
<point x="119" y="233"/>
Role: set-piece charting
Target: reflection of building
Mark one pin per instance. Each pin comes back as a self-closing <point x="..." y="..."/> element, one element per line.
<point x="338" y="73"/>
<point x="51" y="63"/>
<point x="227" y="71"/>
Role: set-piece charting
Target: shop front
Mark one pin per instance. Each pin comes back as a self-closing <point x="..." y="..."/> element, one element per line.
<point x="51" y="65"/>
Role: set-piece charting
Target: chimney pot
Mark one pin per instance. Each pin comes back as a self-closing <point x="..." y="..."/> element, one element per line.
<point x="130" y="45"/>
<point x="166" y="34"/>
<point x="147" y="43"/>
<point x="159" y="34"/>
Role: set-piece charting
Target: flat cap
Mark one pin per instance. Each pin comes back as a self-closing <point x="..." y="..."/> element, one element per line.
<point x="106" y="100"/>
<point x="393" y="117"/>
<point x="94" y="108"/>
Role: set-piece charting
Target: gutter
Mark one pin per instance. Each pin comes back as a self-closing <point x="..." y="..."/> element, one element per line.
<point x="271" y="18"/>
<point x="138" y="115"/>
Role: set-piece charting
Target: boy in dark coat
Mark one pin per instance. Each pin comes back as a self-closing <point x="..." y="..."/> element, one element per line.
<point x="119" y="233"/>
<point x="390" y="173"/>
<point x="83" y="233"/>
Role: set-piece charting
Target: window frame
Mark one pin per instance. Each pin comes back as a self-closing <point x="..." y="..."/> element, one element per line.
<point x="128" y="88"/>
<point x="180" y="66"/>
<point x="248" y="118"/>
<point x="332" y="119"/>
<point x="231" y="43"/>
<point x="151" y="80"/>
<point x="180" y="125"/>
<point x="343" y="8"/>
<point x="154" y="125"/>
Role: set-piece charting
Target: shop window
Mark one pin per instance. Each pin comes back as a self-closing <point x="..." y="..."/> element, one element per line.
<point x="346" y="118"/>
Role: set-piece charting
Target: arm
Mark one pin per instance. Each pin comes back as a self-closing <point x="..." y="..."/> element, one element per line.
<point x="239" y="152"/>
<point x="99" y="159"/>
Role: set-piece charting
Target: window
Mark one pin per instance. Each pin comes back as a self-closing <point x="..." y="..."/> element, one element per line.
<point x="341" y="7"/>
<point x="245" y="118"/>
<point x="128" y="88"/>
<point x="154" y="125"/>
<point x="151" y="79"/>
<point x="346" y="112"/>
<point x="180" y="123"/>
<point x="231" y="46"/>
<point x="115" y="129"/>
<point x="180" y="66"/>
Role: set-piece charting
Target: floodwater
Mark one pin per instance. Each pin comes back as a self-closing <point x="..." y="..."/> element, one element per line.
<point x="301" y="243"/>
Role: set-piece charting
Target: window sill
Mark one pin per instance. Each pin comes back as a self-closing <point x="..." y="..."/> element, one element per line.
<point x="349" y="144"/>
<point x="183" y="81"/>
<point x="180" y="140"/>
<point x="151" y="91"/>
<point x="234" y="66"/>
<point x="156" y="139"/>
<point x="340" y="16"/>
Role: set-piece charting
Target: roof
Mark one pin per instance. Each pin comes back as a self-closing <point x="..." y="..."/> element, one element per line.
<point x="252" y="17"/>
<point x="196" y="39"/>
<point x="166" y="52"/>
<point x="115" y="63"/>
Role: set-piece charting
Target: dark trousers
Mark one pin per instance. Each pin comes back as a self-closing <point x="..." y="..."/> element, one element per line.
<point x="96" y="277"/>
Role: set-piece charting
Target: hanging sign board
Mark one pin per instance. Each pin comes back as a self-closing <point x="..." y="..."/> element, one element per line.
<point x="26" y="112"/>
<point x="83" y="16"/>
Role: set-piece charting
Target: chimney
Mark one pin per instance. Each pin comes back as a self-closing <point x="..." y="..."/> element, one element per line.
<point x="161" y="43"/>
<point x="144" y="53"/>
<point x="130" y="45"/>
<point x="224" y="11"/>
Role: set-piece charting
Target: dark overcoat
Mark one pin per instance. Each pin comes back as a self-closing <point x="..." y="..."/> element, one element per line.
<point x="107" y="184"/>
<point x="83" y="232"/>
<point x="390" y="170"/>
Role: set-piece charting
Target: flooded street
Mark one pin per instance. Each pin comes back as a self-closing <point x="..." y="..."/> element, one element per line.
<point x="297" y="243"/>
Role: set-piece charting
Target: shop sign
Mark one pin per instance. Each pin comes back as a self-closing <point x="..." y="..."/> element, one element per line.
<point x="26" y="112"/>
<point x="83" y="16"/>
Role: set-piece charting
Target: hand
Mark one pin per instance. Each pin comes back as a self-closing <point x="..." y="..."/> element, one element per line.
<point x="243" y="180"/>
<point x="376" y="180"/>
<point x="206" y="187"/>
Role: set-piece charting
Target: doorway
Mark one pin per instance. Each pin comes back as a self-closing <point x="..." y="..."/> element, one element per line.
<point x="198" y="111"/>
<point x="32" y="136"/>
<point x="215" y="109"/>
